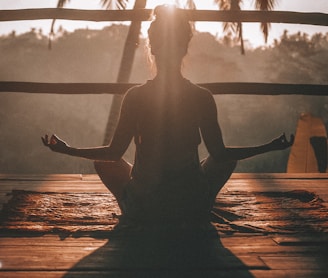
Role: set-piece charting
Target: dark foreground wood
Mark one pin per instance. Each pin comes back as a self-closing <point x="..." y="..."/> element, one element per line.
<point x="165" y="255"/>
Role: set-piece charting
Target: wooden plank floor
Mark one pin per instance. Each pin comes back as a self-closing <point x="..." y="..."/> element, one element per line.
<point x="236" y="255"/>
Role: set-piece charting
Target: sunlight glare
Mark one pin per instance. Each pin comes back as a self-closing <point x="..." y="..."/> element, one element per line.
<point x="204" y="4"/>
<point x="152" y="4"/>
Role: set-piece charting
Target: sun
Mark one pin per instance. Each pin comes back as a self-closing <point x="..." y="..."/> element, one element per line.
<point x="151" y="4"/>
<point x="200" y="4"/>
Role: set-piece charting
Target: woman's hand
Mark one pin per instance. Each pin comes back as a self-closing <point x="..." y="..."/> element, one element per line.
<point x="282" y="143"/>
<point x="55" y="143"/>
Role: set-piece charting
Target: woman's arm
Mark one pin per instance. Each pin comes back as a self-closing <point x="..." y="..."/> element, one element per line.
<point x="114" y="151"/>
<point x="239" y="153"/>
<point x="103" y="153"/>
<point x="212" y="136"/>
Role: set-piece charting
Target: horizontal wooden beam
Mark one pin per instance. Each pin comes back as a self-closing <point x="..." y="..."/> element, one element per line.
<point x="145" y="14"/>
<point x="237" y="88"/>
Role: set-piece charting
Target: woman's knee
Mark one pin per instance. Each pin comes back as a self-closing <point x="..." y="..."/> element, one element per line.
<point x="231" y="166"/>
<point x="114" y="174"/>
<point x="115" y="169"/>
<point x="217" y="174"/>
<point x="212" y="167"/>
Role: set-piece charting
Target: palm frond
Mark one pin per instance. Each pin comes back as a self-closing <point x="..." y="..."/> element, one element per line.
<point x="233" y="27"/>
<point x="265" y="5"/>
<point x="62" y="3"/>
<point x="241" y="37"/>
<point x="265" y="30"/>
<point x="191" y="5"/>
<point x="235" y="5"/>
<point x="223" y="4"/>
<point x="114" y="4"/>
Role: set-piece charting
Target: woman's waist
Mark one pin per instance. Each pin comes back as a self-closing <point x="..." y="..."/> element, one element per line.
<point x="165" y="173"/>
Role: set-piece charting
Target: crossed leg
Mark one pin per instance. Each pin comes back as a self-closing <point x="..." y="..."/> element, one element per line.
<point x="217" y="175"/>
<point x="115" y="175"/>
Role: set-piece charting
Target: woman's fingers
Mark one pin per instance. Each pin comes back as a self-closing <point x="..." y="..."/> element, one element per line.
<point x="283" y="138"/>
<point x="286" y="142"/>
<point x="48" y="142"/>
<point x="53" y="140"/>
<point x="292" y="138"/>
<point x="282" y="142"/>
<point x="45" y="140"/>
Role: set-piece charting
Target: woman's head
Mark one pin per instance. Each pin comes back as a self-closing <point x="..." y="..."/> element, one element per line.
<point x="170" y="33"/>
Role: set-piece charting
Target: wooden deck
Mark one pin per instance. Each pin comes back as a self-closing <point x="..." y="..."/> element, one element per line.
<point x="234" y="255"/>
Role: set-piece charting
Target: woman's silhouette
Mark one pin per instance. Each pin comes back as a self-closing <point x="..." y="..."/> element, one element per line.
<point x="167" y="117"/>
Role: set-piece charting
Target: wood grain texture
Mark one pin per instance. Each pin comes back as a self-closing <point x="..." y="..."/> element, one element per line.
<point x="234" y="255"/>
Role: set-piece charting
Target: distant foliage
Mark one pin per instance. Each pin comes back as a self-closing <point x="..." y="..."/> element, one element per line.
<point x="301" y="57"/>
<point x="94" y="55"/>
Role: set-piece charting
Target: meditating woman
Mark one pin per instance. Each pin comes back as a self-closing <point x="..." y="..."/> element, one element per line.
<point x="167" y="117"/>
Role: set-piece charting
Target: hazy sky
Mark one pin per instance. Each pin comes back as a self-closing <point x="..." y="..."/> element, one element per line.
<point x="251" y="30"/>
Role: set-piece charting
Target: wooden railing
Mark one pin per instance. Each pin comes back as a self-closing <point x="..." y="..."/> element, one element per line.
<point x="240" y="88"/>
<point x="143" y="15"/>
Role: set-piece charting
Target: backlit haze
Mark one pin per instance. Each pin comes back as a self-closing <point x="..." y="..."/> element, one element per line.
<point x="94" y="55"/>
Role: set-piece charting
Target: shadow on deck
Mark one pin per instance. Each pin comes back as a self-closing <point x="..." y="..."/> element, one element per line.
<point x="161" y="253"/>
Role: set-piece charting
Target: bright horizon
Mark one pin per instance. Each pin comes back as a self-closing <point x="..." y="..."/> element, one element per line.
<point x="252" y="32"/>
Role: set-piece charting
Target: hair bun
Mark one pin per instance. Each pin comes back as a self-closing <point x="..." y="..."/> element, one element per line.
<point x="170" y="24"/>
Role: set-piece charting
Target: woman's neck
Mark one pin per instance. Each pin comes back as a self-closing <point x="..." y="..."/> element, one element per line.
<point x="170" y="75"/>
<point x="168" y="68"/>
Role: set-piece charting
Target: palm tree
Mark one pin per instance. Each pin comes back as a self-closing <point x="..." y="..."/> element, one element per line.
<point x="236" y="27"/>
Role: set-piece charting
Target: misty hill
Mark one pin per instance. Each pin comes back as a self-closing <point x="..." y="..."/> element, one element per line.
<point x="94" y="56"/>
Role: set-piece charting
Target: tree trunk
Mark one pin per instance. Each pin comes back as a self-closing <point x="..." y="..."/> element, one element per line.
<point x="131" y="44"/>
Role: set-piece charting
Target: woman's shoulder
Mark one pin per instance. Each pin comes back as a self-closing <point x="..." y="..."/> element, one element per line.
<point x="138" y="89"/>
<point x="199" y="91"/>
